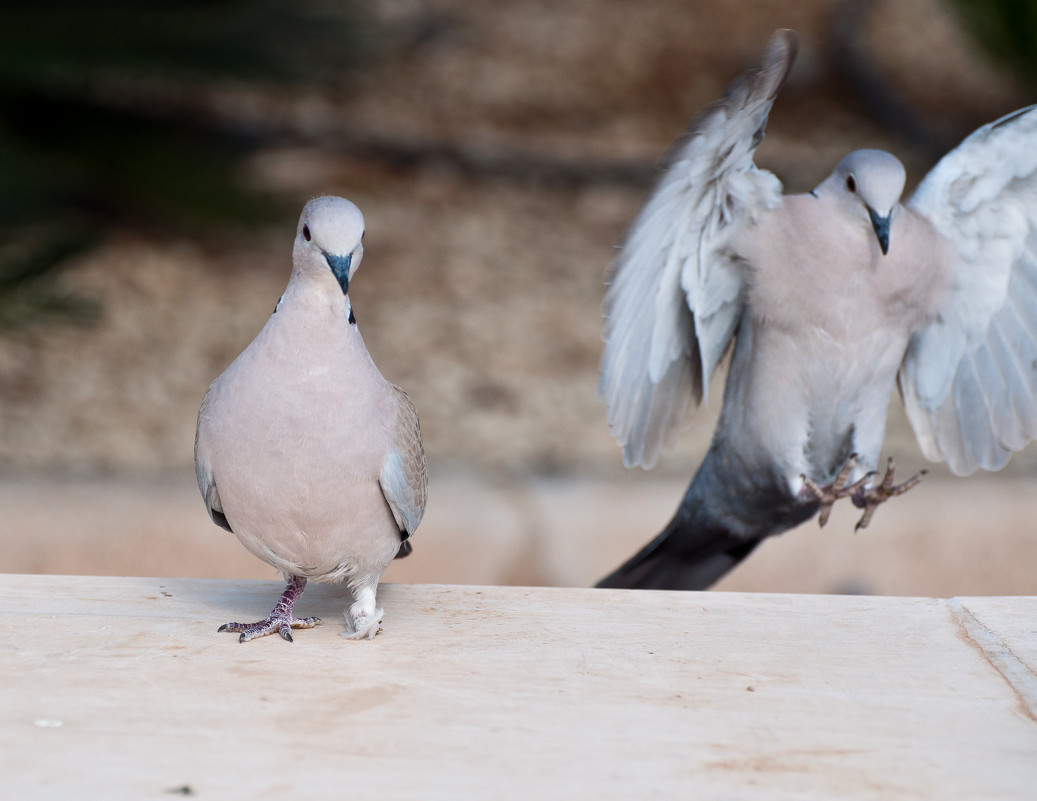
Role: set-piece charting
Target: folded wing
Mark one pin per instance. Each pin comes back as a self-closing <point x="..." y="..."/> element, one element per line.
<point x="404" y="477"/>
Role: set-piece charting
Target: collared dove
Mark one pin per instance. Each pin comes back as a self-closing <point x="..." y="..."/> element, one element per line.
<point x="303" y="450"/>
<point x="829" y="297"/>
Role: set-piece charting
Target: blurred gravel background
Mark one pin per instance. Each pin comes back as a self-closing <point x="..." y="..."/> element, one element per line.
<point x="498" y="151"/>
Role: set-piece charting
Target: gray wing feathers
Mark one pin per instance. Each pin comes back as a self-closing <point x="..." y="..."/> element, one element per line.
<point x="215" y="506"/>
<point x="675" y="288"/>
<point x="969" y="380"/>
<point x="404" y="477"/>
<point x="203" y="466"/>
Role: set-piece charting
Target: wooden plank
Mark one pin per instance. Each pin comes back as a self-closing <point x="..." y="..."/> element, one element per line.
<point x="1006" y="633"/>
<point x="121" y="688"/>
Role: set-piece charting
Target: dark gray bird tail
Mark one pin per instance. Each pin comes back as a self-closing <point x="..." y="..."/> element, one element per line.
<point x="684" y="556"/>
<point x="730" y="507"/>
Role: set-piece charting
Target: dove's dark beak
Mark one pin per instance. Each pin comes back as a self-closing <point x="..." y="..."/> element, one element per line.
<point x="340" y="267"/>
<point x="881" y="226"/>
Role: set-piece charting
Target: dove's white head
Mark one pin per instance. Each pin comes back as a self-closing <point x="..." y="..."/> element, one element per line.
<point x="329" y="238"/>
<point x="867" y="185"/>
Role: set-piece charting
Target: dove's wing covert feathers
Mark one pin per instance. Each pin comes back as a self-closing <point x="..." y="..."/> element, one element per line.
<point x="675" y="294"/>
<point x="404" y="478"/>
<point x="969" y="380"/>
<point x="203" y="470"/>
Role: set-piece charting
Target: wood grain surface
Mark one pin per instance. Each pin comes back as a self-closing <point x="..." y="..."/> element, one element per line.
<point x="121" y="688"/>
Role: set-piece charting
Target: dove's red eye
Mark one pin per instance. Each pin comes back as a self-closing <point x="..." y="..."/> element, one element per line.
<point x="851" y="183"/>
<point x="306" y="232"/>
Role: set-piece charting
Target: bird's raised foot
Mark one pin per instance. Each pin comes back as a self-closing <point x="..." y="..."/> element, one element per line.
<point x="280" y="624"/>
<point x="828" y="494"/>
<point x="869" y="498"/>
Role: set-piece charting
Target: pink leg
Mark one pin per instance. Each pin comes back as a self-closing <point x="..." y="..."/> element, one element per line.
<point x="280" y="619"/>
<point x="830" y="493"/>
<point x="869" y="498"/>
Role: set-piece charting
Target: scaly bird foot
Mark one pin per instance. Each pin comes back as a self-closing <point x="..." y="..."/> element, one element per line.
<point x="830" y="493"/>
<point x="869" y="498"/>
<point x="280" y="620"/>
<point x="274" y="623"/>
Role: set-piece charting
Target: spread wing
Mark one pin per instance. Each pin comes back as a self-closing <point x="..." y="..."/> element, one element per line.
<point x="404" y="477"/>
<point x="969" y="380"/>
<point x="675" y="291"/>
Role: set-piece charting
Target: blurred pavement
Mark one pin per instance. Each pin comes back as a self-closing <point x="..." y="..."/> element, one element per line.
<point x="948" y="537"/>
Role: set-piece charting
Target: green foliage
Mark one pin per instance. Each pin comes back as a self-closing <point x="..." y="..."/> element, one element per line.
<point x="78" y="158"/>
<point x="1007" y="29"/>
<point x="28" y="292"/>
<point x="54" y="41"/>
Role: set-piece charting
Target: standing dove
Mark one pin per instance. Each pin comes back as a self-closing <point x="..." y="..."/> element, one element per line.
<point x="303" y="450"/>
<point x="829" y="298"/>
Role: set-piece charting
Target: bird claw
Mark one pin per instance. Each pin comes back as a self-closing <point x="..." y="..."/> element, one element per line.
<point x="830" y="493"/>
<point x="862" y="496"/>
<point x="363" y="619"/>
<point x="279" y="624"/>
<point x="869" y="498"/>
<point x="280" y="619"/>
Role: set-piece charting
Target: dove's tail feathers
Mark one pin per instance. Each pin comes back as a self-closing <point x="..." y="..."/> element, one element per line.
<point x="405" y="549"/>
<point x="685" y="556"/>
<point x="730" y="507"/>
